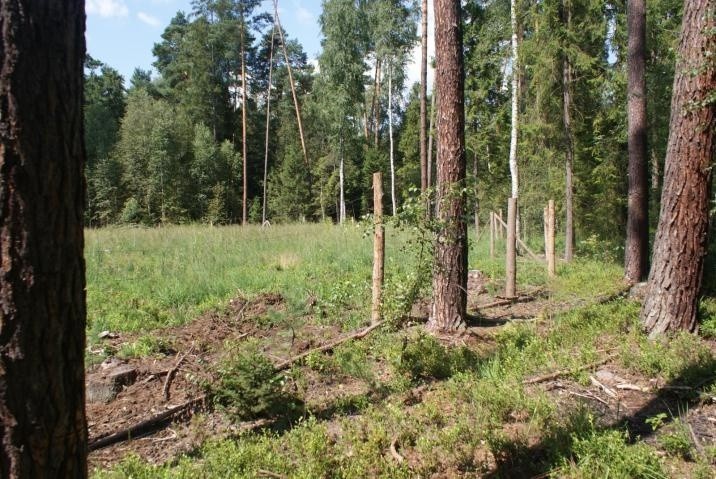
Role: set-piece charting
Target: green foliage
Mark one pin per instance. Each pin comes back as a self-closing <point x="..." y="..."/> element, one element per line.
<point x="677" y="441"/>
<point x="248" y="387"/>
<point x="423" y="357"/>
<point x="146" y="345"/>
<point x="607" y="454"/>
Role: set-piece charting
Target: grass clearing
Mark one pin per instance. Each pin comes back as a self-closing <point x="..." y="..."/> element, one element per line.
<point x="447" y="407"/>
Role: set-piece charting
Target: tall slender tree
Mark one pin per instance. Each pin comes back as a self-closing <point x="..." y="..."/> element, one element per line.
<point x="568" y="136"/>
<point x="424" y="97"/>
<point x="637" y="234"/>
<point x="680" y="246"/>
<point x="450" y="272"/>
<point x="43" y="429"/>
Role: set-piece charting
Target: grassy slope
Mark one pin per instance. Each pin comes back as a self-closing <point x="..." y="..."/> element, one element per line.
<point x="481" y="406"/>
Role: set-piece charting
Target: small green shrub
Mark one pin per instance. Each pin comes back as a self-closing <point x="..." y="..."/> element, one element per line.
<point x="607" y="454"/>
<point x="423" y="357"/>
<point x="248" y="387"/>
<point x="677" y="442"/>
<point x="145" y="346"/>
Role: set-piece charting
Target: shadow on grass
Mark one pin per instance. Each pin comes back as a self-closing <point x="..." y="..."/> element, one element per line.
<point x="517" y="459"/>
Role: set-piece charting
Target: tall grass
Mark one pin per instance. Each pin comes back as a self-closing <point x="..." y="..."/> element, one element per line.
<point x="140" y="279"/>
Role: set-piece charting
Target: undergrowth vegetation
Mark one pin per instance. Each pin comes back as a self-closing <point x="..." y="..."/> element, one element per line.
<point x="445" y="409"/>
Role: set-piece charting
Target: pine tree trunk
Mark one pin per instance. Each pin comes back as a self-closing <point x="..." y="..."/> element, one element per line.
<point x="681" y="240"/>
<point x="43" y="429"/>
<point x="390" y="134"/>
<point x="637" y="235"/>
<point x="424" y="99"/>
<point x="243" y="125"/>
<point x="450" y="271"/>
<point x="569" y="145"/>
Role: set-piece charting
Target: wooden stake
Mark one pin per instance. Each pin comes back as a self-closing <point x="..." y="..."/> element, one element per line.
<point x="378" y="247"/>
<point x="549" y="245"/>
<point x="492" y="234"/>
<point x="511" y="253"/>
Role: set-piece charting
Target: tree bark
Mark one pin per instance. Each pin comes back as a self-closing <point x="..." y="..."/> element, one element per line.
<point x="681" y="240"/>
<point x="423" y="99"/>
<point x="450" y="272"/>
<point x="569" y="144"/>
<point x="243" y="124"/>
<point x="43" y="430"/>
<point x="637" y="235"/>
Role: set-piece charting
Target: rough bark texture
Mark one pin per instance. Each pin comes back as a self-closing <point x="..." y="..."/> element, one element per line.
<point x="637" y="235"/>
<point x="424" y="99"/>
<point x="569" y="151"/>
<point x="42" y="277"/>
<point x="450" y="273"/>
<point x="680" y="245"/>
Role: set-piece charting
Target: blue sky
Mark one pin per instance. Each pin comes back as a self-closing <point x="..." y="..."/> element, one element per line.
<point x="121" y="33"/>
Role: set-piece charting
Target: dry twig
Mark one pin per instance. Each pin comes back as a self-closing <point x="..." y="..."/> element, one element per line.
<point x="566" y="372"/>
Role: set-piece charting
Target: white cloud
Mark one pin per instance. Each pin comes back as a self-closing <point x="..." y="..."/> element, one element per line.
<point x="107" y="8"/>
<point x="148" y="19"/>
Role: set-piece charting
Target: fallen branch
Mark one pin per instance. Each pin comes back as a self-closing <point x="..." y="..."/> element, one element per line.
<point x="394" y="451"/>
<point x="505" y="302"/>
<point x="328" y="347"/>
<point x="589" y="396"/>
<point x="172" y="372"/>
<point x="566" y="372"/>
<point x="146" y="426"/>
<point x="607" y="390"/>
<point x="632" y="387"/>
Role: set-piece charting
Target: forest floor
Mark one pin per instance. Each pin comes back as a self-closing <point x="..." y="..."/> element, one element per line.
<point x="561" y="383"/>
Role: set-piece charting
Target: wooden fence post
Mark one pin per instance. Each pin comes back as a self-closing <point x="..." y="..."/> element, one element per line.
<point x="511" y="254"/>
<point x="378" y="247"/>
<point x="492" y="234"/>
<point x="549" y="245"/>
